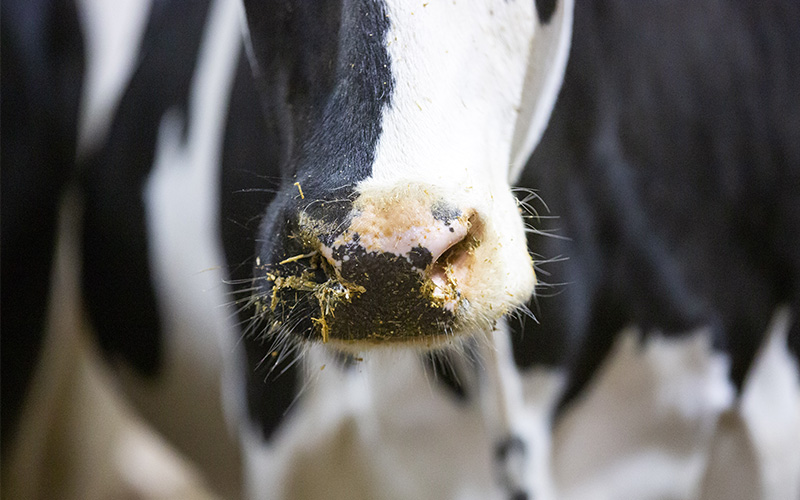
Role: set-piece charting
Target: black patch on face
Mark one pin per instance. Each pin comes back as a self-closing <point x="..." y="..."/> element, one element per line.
<point x="546" y="9"/>
<point x="326" y="73"/>
<point x="326" y="78"/>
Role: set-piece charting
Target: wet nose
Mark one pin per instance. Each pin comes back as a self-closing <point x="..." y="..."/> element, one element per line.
<point x="392" y="270"/>
<point x="399" y="265"/>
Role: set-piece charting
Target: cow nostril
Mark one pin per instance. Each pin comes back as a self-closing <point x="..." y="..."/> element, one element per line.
<point x="453" y="264"/>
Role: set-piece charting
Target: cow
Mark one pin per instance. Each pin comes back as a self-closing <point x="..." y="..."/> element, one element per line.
<point x="370" y="236"/>
<point x="126" y="171"/>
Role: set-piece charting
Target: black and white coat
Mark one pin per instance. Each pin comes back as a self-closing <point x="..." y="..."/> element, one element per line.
<point x="430" y="111"/>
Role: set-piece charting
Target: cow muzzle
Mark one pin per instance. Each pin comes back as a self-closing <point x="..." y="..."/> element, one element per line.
<point x="403" y="265"/>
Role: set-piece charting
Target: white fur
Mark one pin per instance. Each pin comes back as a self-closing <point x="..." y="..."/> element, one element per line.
<point x="460" y="121"/>
<point x="381" y="430"/>
<point x="758" y="450"/>
<point x="643" y="426"/>
<point x="459" y="69"/>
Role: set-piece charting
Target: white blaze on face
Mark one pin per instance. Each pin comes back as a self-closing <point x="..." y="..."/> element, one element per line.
<point x="459" y="70"/>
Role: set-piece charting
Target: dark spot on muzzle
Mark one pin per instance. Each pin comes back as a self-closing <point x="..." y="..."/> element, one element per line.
<point x="389" y="302"/>
<point x="444" y="212"/>
<point x="420" y="257"/>
<point x="354" y="296"/>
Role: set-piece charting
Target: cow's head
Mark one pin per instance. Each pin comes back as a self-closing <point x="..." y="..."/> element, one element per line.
<point x="402" y="123"/>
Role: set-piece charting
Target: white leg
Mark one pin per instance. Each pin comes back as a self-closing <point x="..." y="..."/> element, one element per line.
<point x="517" y="410"/>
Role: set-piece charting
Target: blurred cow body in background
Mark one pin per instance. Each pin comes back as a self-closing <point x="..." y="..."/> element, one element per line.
<point x="671" y="163"/>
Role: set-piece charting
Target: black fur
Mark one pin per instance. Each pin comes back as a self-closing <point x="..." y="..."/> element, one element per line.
<point x="42" y="75"/>
<point x="673" y="162"/>
<point x="249" y="179"/>
<point x="326" y="79"/>
<point x="325" y="100"/>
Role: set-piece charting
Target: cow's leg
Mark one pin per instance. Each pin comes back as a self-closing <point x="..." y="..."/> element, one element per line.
<point x="517" y="410"/>
<point x="153" y="267"/>
<point x="754" y="453"/>
<point x="79" y="438"/>
<point x="42" y="64"/>
<point x="653" y="406"/>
